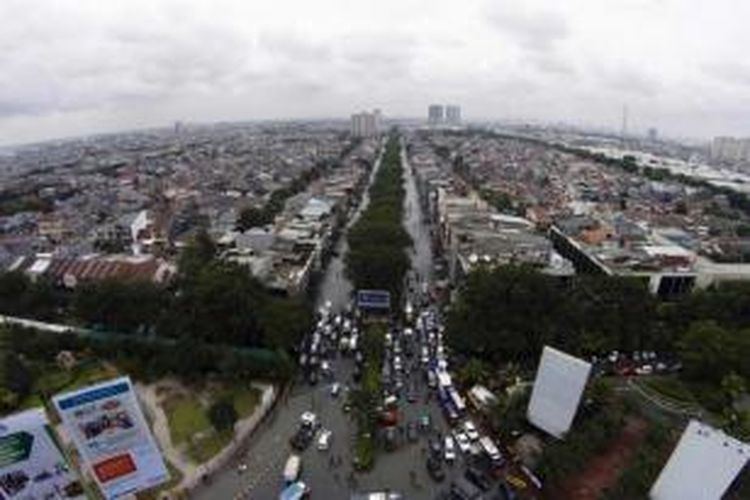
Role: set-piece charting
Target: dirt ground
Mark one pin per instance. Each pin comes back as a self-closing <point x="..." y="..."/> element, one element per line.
<point x="604" y="469"/>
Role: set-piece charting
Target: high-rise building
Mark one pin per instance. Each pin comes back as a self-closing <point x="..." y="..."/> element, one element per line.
<point x="378" y="120"/>
<point x="653" y="134"/>
<point x="365" y="124"/>
<point x="453" y="114"/>
<point x="435" y="114"/>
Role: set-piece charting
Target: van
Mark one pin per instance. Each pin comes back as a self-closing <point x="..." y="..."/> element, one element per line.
<point x="489" y="447"/>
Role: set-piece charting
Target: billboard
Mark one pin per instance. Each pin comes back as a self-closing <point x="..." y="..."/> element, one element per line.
<point x="31" y="464"/>
<point x="374" y="299"/>
<point x="107" y="426"/>
<point x="702" y="466"/>
<point x="559" y="384"/>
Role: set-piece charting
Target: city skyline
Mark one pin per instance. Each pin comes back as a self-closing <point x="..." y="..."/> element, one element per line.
<point x="77" y="68"/>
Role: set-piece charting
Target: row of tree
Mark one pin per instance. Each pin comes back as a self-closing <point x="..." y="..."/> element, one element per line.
<point x="377" y="257"/>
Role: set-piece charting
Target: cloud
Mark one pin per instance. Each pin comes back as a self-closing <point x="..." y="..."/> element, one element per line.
<point x="77" y="66"/>
<point x="536" y="30"/>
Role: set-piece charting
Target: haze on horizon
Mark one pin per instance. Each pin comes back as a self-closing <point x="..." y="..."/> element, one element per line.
<point x="76" y="67"/>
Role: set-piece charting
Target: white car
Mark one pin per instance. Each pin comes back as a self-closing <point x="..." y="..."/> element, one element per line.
<point x="335" y="389"/>
<point x="463" y="441"/>
<point x="324" y="440"/>
<point x="471" y="430"/>
<point x="309" y="419"/>
<point x="449" y="449"/>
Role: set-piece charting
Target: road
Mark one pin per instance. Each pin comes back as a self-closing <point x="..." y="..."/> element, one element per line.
<point x="268" y="449"/>
<point x="334" y="286"/>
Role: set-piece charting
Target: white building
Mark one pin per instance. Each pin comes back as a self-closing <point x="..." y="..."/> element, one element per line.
<point x="365" y="124"/>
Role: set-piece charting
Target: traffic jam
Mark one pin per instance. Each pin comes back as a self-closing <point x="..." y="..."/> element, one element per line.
<point x="461" y="460"/>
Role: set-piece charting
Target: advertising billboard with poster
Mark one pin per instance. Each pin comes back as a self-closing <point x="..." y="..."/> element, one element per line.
<point x="31" y="464"/>
<point x="558" y="388"/>
<point x="108" y="428"/>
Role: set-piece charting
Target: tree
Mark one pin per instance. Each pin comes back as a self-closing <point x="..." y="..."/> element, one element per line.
<point x="705" y="350"/>
<point x="252" y="217"/>
<point x="16" y="377"/>
<point x="733" y="386"/>
<point x="222" y="415"/>
<point x="119" y="306"/>
<point x="198" y="253"/>
<point x="284" y="322"/>
<point x="473" y="372"/>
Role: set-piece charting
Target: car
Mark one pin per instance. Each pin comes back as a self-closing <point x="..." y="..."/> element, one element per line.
<point x="436" y="447"/>
<point x="411" y="432"/>
<point x="644" y="370"/>
<point x="462" y="440"/>
<point x="471" y="430"/>
<point x="335" y="389"/>
<point x="302" y="438"/>
<point x="412" y="396"/>
<point x="424" y="421"/>
<point x="390" y="438"/>
<point x="435" y="470"/>
<point x="312" y="378"/>
<point x="477" y="477"/>
<point x="449" y="449"/>
<point x="242" y="467"/>
<point x="308" y="419"/>
<point x="324" y="440"/>
<point x="461" y="489"/>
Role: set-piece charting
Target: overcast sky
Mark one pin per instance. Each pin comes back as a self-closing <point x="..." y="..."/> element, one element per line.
<point x="72" y="67"/>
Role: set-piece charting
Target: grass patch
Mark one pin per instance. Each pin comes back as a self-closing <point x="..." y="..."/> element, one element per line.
<point x="245" y="399"/>
<point x="670" y="387"/>
<point x="364" y="452"/>
<point x="186" y="417"/>
<point x="204" y="449"/>
<point x="50" y="379"/>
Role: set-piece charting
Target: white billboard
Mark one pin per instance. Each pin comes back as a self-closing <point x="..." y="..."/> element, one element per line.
<point x="702" y="466"/>
<point x="559" y="384"/>
<point x="108" y="428"/>
<point x="31" y="464"/>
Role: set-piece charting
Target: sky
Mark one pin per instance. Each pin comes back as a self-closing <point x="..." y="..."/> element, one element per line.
<point x="75" y="67"/>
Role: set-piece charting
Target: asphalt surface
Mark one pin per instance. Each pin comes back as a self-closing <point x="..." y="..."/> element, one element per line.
<point x="402" y="470"/>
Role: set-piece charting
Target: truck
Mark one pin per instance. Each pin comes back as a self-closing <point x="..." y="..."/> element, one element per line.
<point x="292" y="469"/>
